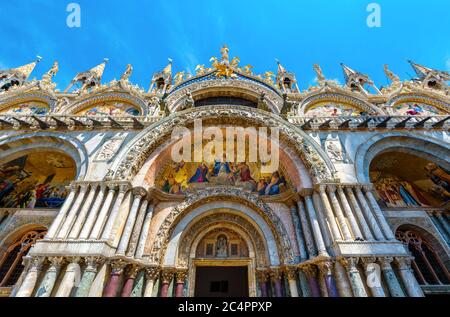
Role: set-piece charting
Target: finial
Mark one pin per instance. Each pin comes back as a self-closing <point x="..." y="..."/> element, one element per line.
<point x="106" y="60"/>
<point x="38" y="59"/>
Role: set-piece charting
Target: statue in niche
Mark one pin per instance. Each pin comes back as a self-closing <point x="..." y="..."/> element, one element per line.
<point x="222" y="247"/>
<point x="333" y="148"/>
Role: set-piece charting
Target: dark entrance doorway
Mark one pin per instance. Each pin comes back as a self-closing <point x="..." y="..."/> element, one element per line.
<point x="221" y="281"/>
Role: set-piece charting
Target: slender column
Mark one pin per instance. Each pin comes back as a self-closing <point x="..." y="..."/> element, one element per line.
<point x="95" y="234"/>
<point x="395" y="289"/>
<point x="444" y="223"/>
<point x="306" y="230"/>
<point x="339" y="214"/>
<point x="92" y="264"/>
<point x="152" y="274"/>
<point x="137" y="228"/>
<point x="320" y="244"/>
<point x="409" y="280"/>
<point x="166" y="279"/>
<point x="261" y="275"/>
<point x="126" y="234"/>
<point x="336" y="235"/>
<point x="112" y="287"/>
<point x="349" y="213"/>
<point x="144" y="232"/>
<point x="93" y="213"/>
<point x="138" y="287"/>
<point x="372" y="277"/>
<point x="355" y="278"/>
<point x="322" y="220"/>
<point x="438" y="226"/>
<point x="29" y="283"/>
<point x="362" y="221"/>
<point x="304" y="284"/>
<point x="369" y="216"/>
<point x="298" y="233"/>
<point x="81" y="217"/>
<point x="67" y="224"/>
<point x="291" y="273"/>
<point x="341" y="278"/>
<point x="379" y="214"/>
<point x="109" y="232"/>
<point x="327" y="275"/>
<point x="70" y="278"/>
<point x="311" y="273"/>
<point x="180" y="279"/>
<point x="275" y="277"/>
<point x="48" y="282"/>
<point x="131" y="273"/>
<point x="62" y="213"/>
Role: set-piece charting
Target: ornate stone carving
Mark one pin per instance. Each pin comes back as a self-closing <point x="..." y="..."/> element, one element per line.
<point x="109" y="149"/>
<point x="152" y="273"/>
<point x="181" y="275"/>
<point x="167" y="275"/>
<point x="117" y="266"/>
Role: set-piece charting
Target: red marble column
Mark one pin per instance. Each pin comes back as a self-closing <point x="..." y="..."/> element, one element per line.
<point x="112" y="287"/>
<point x="275" y="275"/>
<point x="181" y="279"/>
<point x="129" y="282"/>
<point x="166" y="278"/>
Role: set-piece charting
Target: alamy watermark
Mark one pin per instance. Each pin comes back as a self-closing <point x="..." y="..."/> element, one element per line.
<point x="374" y="18"/>
<point x="74" y="18"/>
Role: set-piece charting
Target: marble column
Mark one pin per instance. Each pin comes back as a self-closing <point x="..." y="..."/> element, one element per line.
<point x="152" y="274"/>
<point x="144" y="233"/>
<point x="131" y="274"/>
<point x="137" y="229"/>
<point x="81" y="217"/>
<point x="62" y="213"/>
<point x="275" y="277"/>
<point x="392" y="282"/>
<point x="379" y="214"/>
<point x="327" y="274"/>
<point x="318" y="238"/>
<point x="444" y="222"/>
<point x="355" y="277"/>
<point x="373" y="276"/>
<point x="369" y="216"/>
<point x="342" y="282"/>
<point x="298" y="234"/>
<point x="70" y="278"/>
<point x="138" y="287"/>
<point x="68" y="222"/>
<point x="92" y="264"/>
<point x="326" y="235"/>
<point x="108" y="232"/>
<point x="138" y="194"/>
<point x="311" y="275"/>
<point x="339" y="214"/>
<point x="409" y="280"/>
<point x="31" y="277"/>
<point x="291" y="274"/>
<point x="180" y="279"/>
<point x="336" y="234"/>
<point x="349" y="213"/>
<point x="87" y="227"/>
<point x="261" y="275"/>
<point x="95" y="233"/>
<point x="309" y="243"/>
<point x="367" y="234"/>
<point x="49" y="279"/>
<point x="112" y="287"/>
<point x="166" y="279"/>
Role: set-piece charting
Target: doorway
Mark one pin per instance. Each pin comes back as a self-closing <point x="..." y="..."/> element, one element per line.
<point x="221" y="281"/>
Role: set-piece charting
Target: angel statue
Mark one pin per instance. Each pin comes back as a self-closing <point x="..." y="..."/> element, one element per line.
<point x="224" y="52"/>
<point x="248" y="69"/>
<point x="320" y="76"/>
<point x="200" y="70"/>
<point x="52" y="72"/>
<point x="127" y="73"/>
<point x="235" y="62"/>
<point x="178" y="77"/>
<point x="268" y="77"/>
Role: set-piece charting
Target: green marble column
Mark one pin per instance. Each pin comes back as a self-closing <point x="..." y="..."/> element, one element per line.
<point x="355" y="277"/>
<point x="138" y="287"/>
<point x="395" y="289"/>
<point x="49" y="279"/>
<point x="88" y="277"/>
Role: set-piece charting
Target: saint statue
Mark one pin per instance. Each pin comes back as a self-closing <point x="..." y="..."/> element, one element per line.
<point x="224" y="52"/>
<point x="222" y="247"/>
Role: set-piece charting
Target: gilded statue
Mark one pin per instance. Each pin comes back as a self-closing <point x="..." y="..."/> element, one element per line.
<point x="319" y="73"/>
<point x="179" y="77"/>
<point x="127" y="73"/>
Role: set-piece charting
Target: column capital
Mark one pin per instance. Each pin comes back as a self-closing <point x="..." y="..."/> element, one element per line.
<point x="349" y="263"/>
<point x="117" y="266"/>
<point x="84" y="187"/>
<point x="306" y="192"/>
<point x="73" y="186"/>
<point x="152" y="273"/>
<point x="325" y="267"/>
<point x="35" y="263"/>
<point x="331" y="188"/>
<point x="262" y="274"/>
<point x="368" y="260"/>
<point x="167" y="274"/>
<point x="181" y="275"/>
<point x="275" y="273"/>
<point x="310" y="270"/>
<point x="386" y="262"/>
<point x="291" y="272"/>
<point x="368" y="188"/>
<point x="404" y="263"/>
<point x="56" y="261"/>
<point x="132" y="271"/>
<point x="73" y="259"/>
<point x="139" y="192"/>
<point x="92" y="263"/>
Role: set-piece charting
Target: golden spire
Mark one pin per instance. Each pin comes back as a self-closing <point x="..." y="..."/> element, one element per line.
<point x="27" y="69"/>
<point x="168" y="68"/>
<point x="99" y="69"/>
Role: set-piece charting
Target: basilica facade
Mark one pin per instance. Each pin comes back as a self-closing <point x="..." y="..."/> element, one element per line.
<point x="94" y="204"/>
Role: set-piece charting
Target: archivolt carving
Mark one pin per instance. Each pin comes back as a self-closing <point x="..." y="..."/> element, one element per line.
<point x="213" y="194"/>
<point x="314" y="158"/>
<point x="187" y="240"/>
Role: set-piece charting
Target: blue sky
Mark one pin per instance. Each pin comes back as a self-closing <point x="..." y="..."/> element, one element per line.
<point x="298" y="33"/>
